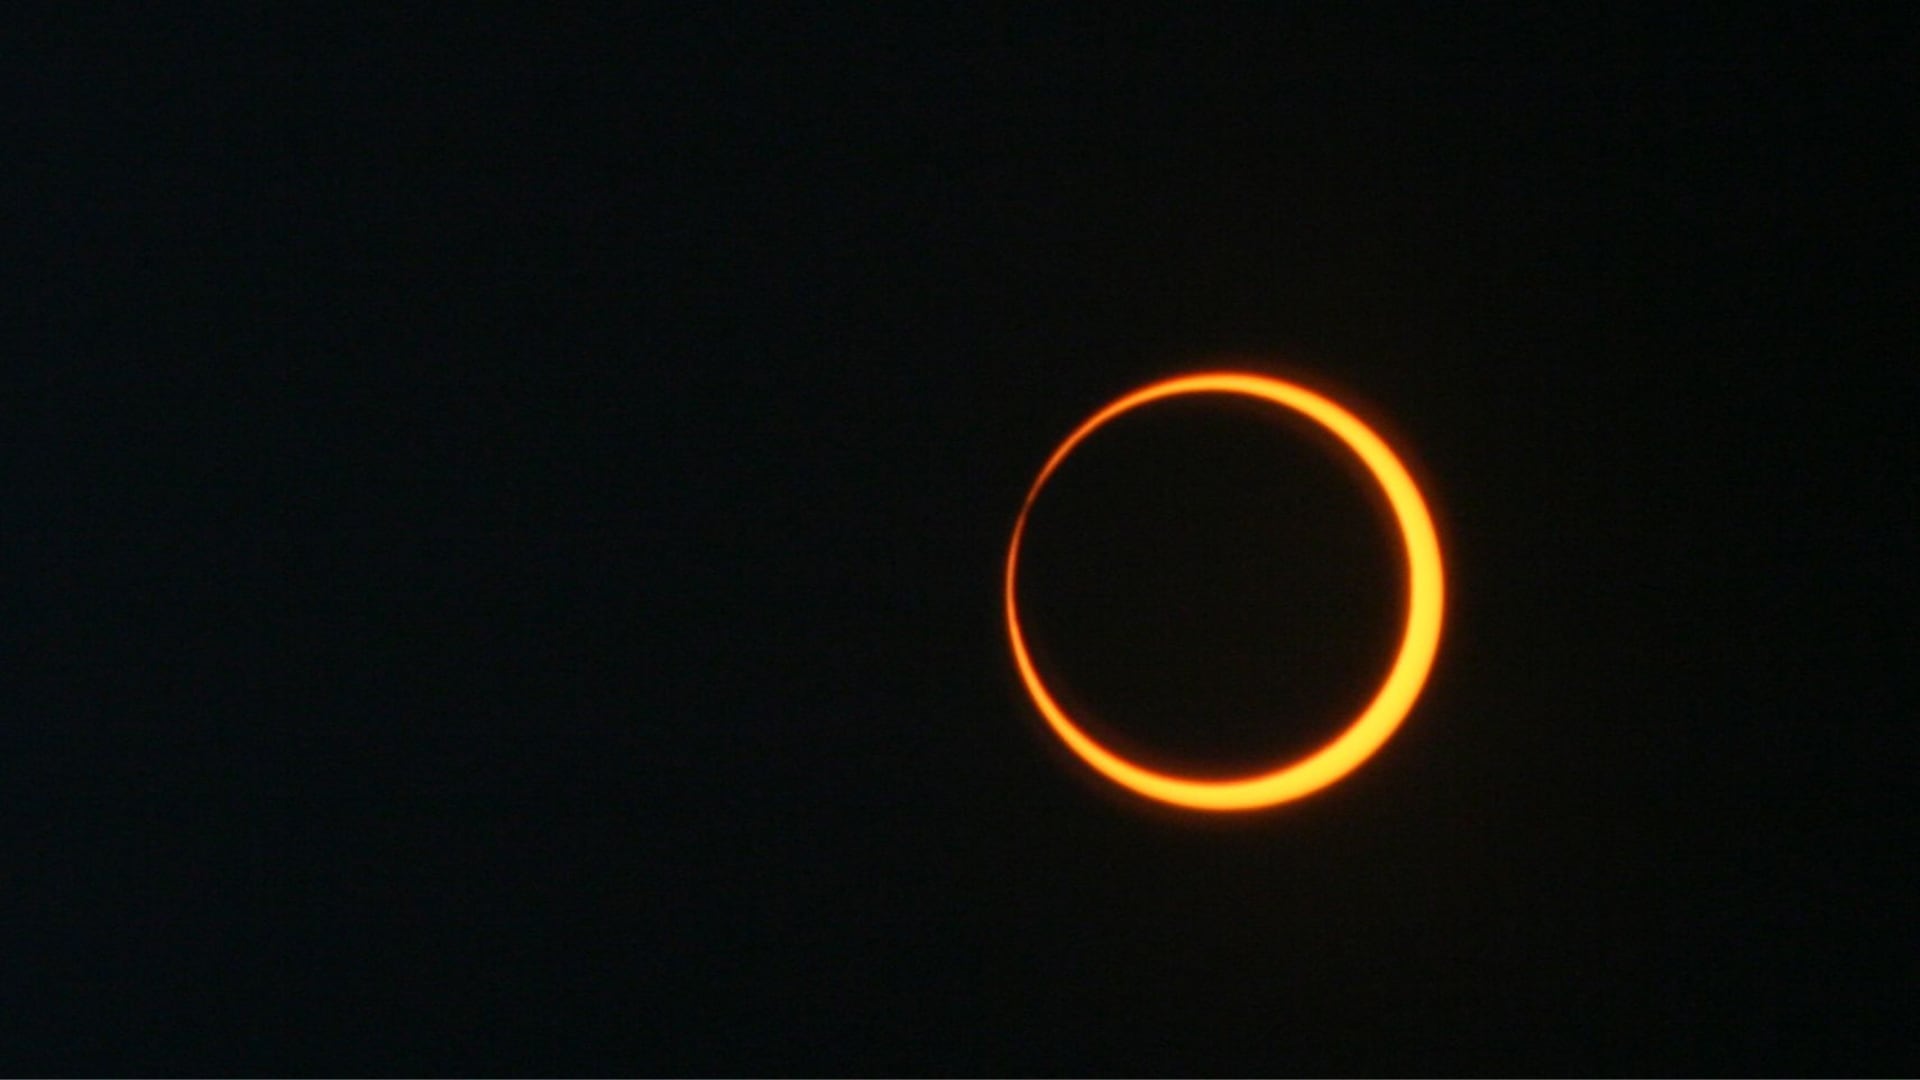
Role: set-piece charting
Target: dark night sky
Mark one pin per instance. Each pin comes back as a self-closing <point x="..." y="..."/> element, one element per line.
<point x="505" y="517"/>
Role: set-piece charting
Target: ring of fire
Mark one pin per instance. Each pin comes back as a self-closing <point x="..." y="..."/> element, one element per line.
<point x="1390" y="705"/>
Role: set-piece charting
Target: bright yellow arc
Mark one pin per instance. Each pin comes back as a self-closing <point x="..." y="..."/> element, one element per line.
<point x="1377" y="722"/>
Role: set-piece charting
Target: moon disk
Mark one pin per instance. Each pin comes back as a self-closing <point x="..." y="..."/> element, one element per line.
<point x="1418" y="644"/>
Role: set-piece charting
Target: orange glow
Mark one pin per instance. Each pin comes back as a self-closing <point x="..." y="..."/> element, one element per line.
<point x="1377" y="722"/>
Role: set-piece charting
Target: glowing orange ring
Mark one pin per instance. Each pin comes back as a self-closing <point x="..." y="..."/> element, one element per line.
<point x="1378" y="721"/>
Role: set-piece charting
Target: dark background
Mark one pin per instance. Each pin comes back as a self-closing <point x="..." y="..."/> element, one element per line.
<point x="505" y="515"/>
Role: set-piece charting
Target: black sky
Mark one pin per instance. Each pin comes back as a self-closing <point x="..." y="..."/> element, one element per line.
<point x="506" y="515"/>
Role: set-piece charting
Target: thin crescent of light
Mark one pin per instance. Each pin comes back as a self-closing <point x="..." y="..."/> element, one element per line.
<point x="1390" y="705"/>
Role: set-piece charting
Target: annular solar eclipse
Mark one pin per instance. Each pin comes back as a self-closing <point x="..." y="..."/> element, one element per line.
<point x="1420" y="638"/>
